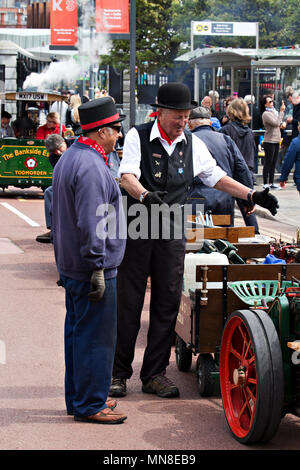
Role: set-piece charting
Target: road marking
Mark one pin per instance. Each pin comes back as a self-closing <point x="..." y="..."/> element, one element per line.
<point x="284" y="236"/>
<point x="20" y="214"/>
<point x="2" y="352"/>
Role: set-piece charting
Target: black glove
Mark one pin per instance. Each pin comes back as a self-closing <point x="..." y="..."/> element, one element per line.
<point x="97" y="286"/>
<point x="154" y="197"/>
<point x="264" y="199"/>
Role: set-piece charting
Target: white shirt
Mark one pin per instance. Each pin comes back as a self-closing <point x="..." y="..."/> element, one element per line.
<point x="204" y="165"/>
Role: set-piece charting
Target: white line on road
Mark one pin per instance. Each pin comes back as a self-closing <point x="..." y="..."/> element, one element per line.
<point x="20" y="214"/>
<point x="2" y="352"/>
<point x="284" y="236"/>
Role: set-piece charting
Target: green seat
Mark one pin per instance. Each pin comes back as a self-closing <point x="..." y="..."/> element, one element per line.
<point x="257" y="291"/>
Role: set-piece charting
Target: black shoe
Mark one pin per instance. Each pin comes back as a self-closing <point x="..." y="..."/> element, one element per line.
<point x="118" y="387"/>
<point x="44" y="238"/>
<point x="161" y="386"/>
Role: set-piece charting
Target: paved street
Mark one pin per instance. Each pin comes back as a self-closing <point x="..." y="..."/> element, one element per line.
<point x="32" y="411"/>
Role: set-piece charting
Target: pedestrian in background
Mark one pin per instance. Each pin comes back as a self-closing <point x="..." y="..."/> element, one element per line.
<point x="292" y="157"/>
<point x="56" y="146"/>
<point x="6" y="130"/>
<point x="242" y="135"/>
<point x="296" y="114"/>
<point x="52" y="126"/>
<point x="272" y="121"/>
<point x="75" y="102"/>
<point x="227" y="156"/>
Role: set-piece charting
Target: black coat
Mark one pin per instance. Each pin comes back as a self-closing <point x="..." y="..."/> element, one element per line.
<point x="230" y="159"/>
<point x="296" y="118"/>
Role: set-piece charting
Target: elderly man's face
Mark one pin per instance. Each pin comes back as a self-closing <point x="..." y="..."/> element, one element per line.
<point x="173" y="121"/>
<point x="296" y="100"/>
<point x="61" y="149"/>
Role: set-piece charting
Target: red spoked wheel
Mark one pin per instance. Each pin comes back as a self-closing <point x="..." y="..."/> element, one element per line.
<point x="251" y="376"/>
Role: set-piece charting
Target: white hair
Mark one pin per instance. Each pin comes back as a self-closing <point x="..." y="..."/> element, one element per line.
<point x="212" y="92"/>
<point x="296" y="94"/>
<point x="249" y="99"/>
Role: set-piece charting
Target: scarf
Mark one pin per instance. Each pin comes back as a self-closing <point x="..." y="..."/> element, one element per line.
<point x="273" y="110"/>
<point x="93" y="144"/>
<point x="163" y="134"/>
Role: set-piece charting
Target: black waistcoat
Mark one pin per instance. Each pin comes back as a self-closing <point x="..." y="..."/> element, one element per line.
<point x="161" y="172"/>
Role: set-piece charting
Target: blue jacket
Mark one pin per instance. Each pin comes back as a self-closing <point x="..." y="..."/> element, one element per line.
<point x="292" y="157"/>
<point x="230" y="159"/>
<point x="87" y="213"/>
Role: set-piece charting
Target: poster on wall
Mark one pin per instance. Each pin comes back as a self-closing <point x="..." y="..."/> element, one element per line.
<point x="63" y="24"/>
<point x="112" y="16"/>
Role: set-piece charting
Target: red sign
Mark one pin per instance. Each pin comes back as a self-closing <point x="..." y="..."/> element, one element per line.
<point x="64" y="22"/>
<point x="112" y="16"/>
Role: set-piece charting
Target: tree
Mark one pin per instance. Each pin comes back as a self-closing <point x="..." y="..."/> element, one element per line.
<point x="163" y="28"/>
<point x="272" y="16"/>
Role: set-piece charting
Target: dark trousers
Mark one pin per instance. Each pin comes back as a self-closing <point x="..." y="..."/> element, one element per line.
<point x="90" y="339"/>
<point x="163" y="260"/>
<point x="250" y="220"/>
<point x="271" y="154"/>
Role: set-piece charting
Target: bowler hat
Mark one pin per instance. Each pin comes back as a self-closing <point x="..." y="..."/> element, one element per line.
<point x="200" y="113"/>
<point x="174" y="95"/>
<point x="94" y="114"/>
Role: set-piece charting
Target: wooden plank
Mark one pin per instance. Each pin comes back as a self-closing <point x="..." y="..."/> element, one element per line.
<point x="211" y="319"/>
<point x="245" y="250"/>
<point x="218" y="219"/>
<point x="253" y="250"/>
<point x="232" y="234"/>
<point x="248" y="272"/>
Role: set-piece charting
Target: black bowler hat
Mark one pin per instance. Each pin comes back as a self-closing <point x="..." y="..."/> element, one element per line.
<point x="98" y="113"/>
<point x="174" y="95"/>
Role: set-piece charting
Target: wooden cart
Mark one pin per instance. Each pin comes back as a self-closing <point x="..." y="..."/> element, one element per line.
<point x="245" y="334"/>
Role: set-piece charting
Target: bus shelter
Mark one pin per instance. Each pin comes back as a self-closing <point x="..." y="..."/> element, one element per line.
<point x="245" y="71"/>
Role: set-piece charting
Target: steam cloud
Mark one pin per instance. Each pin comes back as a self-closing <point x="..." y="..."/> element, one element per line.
<point x="52" y="75"/>
<point x="90" y="45"/>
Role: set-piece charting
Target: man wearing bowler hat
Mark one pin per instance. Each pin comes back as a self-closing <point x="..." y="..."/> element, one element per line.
<point x="160" y="160"/>
<point x="87" y="256"/>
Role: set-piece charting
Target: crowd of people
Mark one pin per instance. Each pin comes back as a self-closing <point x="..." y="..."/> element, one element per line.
<point x="186" y="150"/>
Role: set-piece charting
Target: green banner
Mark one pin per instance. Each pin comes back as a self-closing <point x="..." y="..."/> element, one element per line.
<point x="24" y="162"/>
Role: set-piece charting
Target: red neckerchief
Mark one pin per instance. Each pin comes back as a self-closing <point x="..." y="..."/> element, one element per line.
<point x="93" y="144"/>
<point x="163" y="134"/>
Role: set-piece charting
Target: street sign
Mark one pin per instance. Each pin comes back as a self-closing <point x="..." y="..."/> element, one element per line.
<point x="223" y="28"/>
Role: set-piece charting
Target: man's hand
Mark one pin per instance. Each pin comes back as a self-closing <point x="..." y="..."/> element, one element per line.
<point x="264" y="199"/>
<point x="97" y="286"/>
<point x="155" y="197"/>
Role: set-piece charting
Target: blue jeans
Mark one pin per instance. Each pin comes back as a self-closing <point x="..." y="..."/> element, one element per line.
<point x="47" y="205"/>
<point x="90" y="341"/>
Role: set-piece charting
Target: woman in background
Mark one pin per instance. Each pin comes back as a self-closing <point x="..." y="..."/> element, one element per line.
<point x="75" y="102"/>
<point x="242" y="135"/>
<point x="272" y="120"/>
